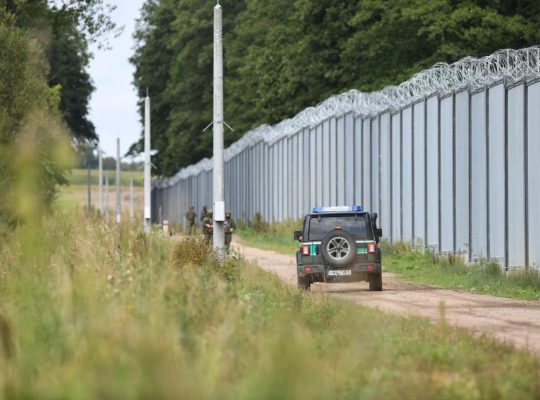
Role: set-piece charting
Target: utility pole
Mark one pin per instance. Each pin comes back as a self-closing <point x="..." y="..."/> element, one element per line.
<point x="147" y="165"/>
<point x="88" y="178"/>
<point x="219" y="197"/>
<point x="118" y="194"/>
<point x="100" y="183"/>
<point x="131" y="212"/>
<point x="107" y="197"/>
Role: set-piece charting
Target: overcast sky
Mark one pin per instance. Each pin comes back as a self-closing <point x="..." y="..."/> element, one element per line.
<point x="114" y="103"/>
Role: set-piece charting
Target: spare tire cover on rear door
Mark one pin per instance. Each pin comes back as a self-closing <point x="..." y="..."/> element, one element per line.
<point x="338" y="248"/>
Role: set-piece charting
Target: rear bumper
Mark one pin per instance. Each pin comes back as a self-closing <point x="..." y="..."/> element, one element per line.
<point x="364" y="268"/>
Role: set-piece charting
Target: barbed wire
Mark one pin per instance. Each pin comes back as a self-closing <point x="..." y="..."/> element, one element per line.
<point x="441" y="79"/>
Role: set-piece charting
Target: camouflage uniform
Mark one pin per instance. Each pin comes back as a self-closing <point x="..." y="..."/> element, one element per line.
<point x="229" y="226"/>
<point x="208" y="227"/>
<point x="204" y="213"/>
<point x="190" y="217"/>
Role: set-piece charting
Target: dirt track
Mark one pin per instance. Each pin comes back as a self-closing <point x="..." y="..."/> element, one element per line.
<point x="514" y="321"/>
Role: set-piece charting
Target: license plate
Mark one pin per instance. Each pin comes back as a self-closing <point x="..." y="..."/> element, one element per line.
<point x="340" y="272"/>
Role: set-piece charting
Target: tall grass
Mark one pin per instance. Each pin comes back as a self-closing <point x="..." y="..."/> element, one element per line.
<point x="451" y="271"/>
<point x="275" y="237"/>
<point x="90" y="310"/>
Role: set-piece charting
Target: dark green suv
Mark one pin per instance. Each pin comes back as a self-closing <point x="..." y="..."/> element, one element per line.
<point x="339" y="244"/>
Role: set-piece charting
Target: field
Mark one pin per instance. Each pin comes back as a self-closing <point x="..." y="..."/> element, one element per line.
<point x="75" y="195"/>
<point x="414" y="266"/>
<point x="91" y="310"/>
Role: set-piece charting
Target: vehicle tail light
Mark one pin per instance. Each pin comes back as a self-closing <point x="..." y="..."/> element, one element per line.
<point x="372" y="248"/>
<point x="370" y="268"/>
<point x="307" y="269"/>
<point x="305" y="250"/>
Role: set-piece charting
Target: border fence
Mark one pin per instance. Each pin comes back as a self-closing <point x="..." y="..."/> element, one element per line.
<point x="449" y="159"/>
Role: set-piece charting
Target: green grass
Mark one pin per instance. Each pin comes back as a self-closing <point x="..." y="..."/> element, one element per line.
<point x="419" y="267"/>
<point x="275" y="237"/>
<point x="451" y="272"/>
<point x="79" y="177"/>
<point x="90" y="310"/>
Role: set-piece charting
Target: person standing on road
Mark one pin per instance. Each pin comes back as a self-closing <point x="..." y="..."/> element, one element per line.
<point x="204" y="213"/>
<point x="208" y="226"/>
<point x="190" y="217"/>
<point x="229" y="226"/>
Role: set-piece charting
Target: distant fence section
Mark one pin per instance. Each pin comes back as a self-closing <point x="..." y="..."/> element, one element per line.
<point x="449" y="159"/>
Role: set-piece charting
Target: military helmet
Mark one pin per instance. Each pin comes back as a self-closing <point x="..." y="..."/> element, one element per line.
<point x="228" y="214"/>
<point x="210" y="212"/>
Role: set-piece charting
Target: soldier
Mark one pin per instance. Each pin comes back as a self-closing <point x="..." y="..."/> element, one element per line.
<point x="229" y="226"/>
<point x="190" y="217"/>
<point x="204" y="213"/>
<point x="208" y="226"/>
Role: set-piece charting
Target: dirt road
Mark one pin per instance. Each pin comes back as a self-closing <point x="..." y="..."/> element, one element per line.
<point x="514" y="321"/>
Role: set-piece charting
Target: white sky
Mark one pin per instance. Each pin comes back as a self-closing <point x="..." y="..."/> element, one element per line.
<point x="114" y="103"/>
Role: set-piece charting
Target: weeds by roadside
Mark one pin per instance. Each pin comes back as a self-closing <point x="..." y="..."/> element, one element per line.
<point x="451" y="271"/>
<point x="104" y="311"/>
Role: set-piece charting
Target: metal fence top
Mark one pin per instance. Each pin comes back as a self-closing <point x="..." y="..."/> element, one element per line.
<point x="469" y="72"/>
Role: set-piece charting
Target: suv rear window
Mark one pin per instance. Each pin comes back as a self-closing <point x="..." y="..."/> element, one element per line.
<point x="355" y="225"/>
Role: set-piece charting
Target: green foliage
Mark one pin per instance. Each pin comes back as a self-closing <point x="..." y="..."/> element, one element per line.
<point x="91" y="310"/>
<point x="274" y="237"/>
<point x="283" y="56"/>
<point x="450" y="271"/>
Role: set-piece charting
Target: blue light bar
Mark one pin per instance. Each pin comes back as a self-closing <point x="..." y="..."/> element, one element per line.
<point x="337" y="209"/>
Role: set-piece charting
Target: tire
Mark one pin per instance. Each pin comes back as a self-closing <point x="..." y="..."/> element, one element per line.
<point x="338" y="248"/>
<point x="304" y="283"/>
<point x="375" y="282"/>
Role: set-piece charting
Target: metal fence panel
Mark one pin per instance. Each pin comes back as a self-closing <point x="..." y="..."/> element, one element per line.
<point x="340" y="160"/>
<point x="366" y="167"/>
<point x="349" y="159"/>
<point x="533" y="150"/>
<point x="461" y="167"/>
<point x="319" y="200"/>
<point x="313" y="162"/>
<point x="419" y="175"/>
<point x="385" y="220"/>
<point x="447" y="174"/>
<point x="496" y="171"/>
<point x="407" y="175"/>
<point x="327" y="176"/>
<point x="479" y="139"/>
<point x="306" y="204"/>
<point x="375" y="161"/>
<point x="358" y="164"/>
<point x="396" y="178"/>
<point x="516" y="177"/>
<point x="333" y="162"/>
<point x="432" y="204"/>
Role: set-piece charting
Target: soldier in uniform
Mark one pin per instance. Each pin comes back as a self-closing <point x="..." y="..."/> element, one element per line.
<point x="208" y="226"/>
<point x="204" y="213"/>
<point x="190" y="217"/>
<point x="229" y="226"/>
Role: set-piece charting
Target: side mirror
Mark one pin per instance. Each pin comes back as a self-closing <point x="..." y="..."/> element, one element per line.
<point x="378" y="232"/>
<point x="298" y="235"/>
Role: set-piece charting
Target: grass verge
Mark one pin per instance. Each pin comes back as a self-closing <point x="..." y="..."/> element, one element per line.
<point x="452" y="272"/>
<point x="91" y="310"/>
<point x="416" y="266"/>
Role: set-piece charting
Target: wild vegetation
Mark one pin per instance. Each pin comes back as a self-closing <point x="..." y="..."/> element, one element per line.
<point x="452" y="272"/>
<point x="90" y="310"/>
<point x="44" y="94"/>
<point x="414" y="265"/>
<point x="282" y="56"/>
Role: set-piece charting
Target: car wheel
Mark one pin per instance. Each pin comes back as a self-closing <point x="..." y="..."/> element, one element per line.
<point x="304" y="283"/>
<point x="338" y="248"/>
<point x="375" y="282"/>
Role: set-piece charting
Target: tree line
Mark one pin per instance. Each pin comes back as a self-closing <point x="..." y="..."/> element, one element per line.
<point x="44" y="94"/>
<point x="282" y="56"/>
